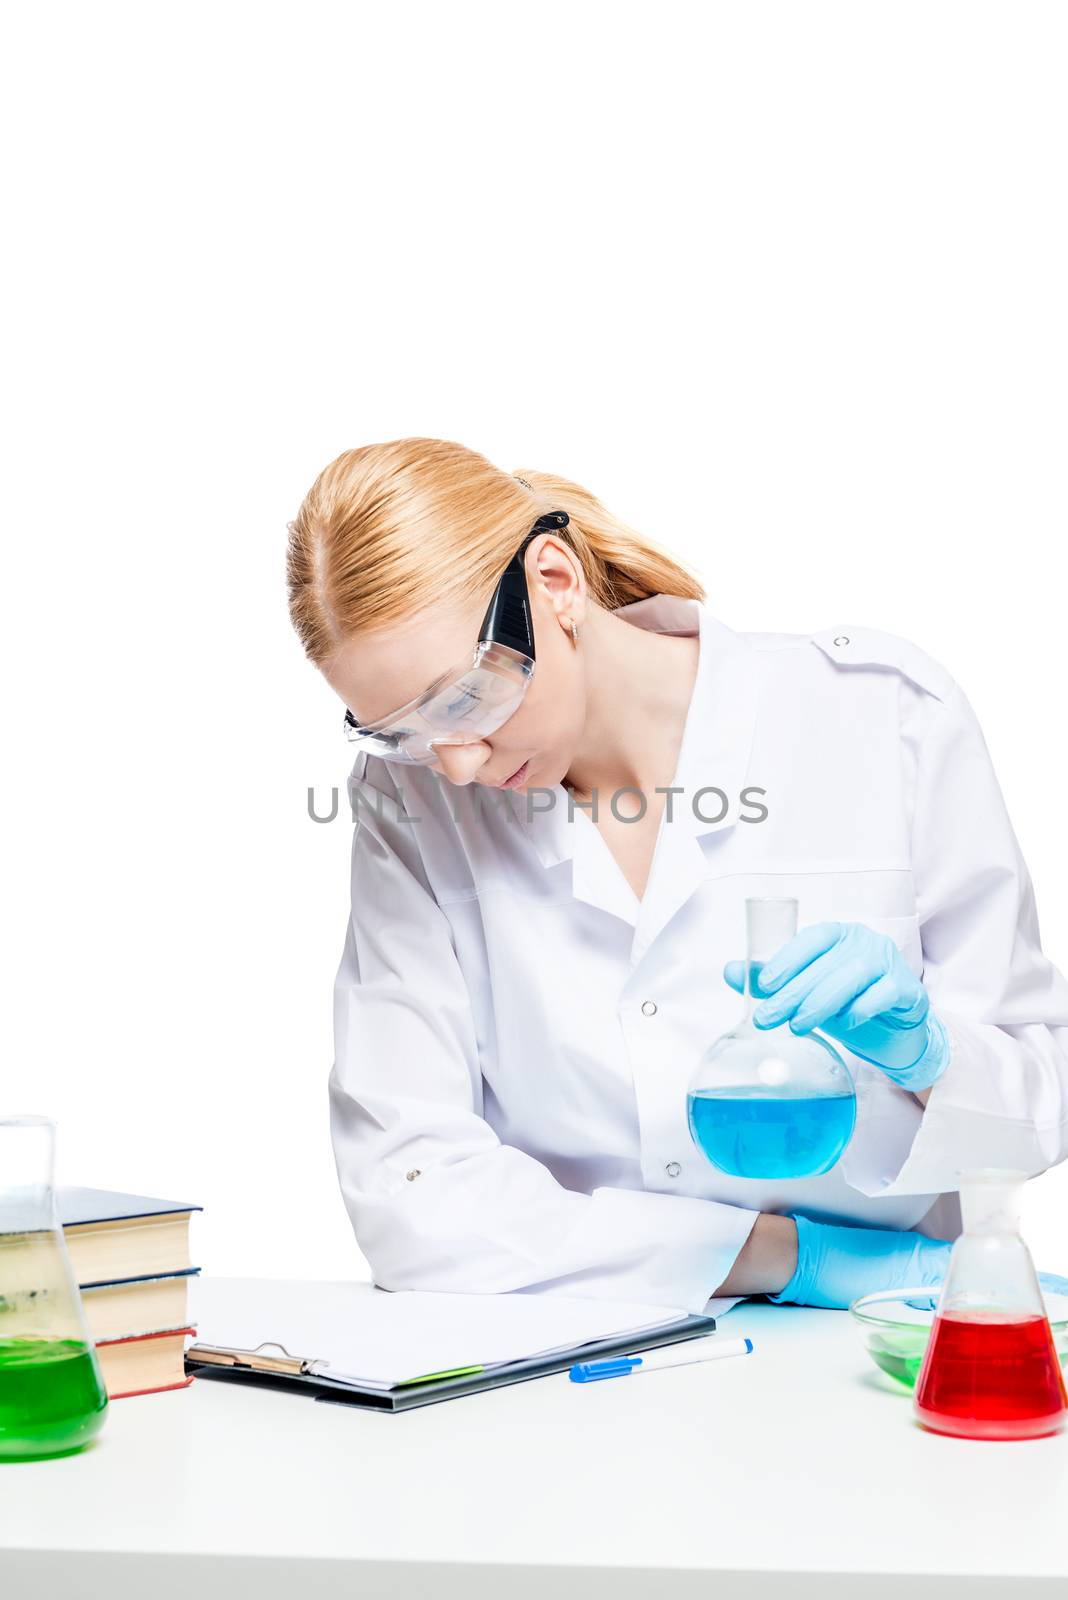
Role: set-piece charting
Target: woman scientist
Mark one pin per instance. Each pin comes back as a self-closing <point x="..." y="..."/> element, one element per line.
<point x="569" y="776"/>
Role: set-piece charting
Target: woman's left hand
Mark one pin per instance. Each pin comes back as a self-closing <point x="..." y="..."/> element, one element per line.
<point x="856" y="987"/>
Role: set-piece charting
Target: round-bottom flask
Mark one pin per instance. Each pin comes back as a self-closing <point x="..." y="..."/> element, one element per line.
<point x="52" y="1396"/>
<point x="765" y="1102"/>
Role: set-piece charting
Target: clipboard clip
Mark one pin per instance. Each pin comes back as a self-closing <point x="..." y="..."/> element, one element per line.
<point x="222" y="1356"/>
<point x="271" y="1343"/>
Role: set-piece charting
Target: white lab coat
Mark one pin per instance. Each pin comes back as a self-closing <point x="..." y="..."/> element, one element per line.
<point x="515" y="1031"/>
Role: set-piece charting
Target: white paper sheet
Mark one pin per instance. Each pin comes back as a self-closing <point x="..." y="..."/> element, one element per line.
<point x="374" y="1338"/>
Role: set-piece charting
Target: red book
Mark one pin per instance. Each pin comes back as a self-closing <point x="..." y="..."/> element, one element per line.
<point x="144" y="1363"/>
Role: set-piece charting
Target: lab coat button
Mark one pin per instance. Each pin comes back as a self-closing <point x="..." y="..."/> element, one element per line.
<point x="648" y="1008"/>
<point x="843" y="638"/>
<point x="672" y="1169"/>
<point x="413" y="1174"/>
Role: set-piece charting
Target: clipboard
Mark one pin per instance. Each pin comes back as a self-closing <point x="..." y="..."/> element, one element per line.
<point x="271" y="1366"/>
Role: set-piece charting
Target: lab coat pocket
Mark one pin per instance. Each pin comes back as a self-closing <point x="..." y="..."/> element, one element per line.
<point x="840" y="891"/>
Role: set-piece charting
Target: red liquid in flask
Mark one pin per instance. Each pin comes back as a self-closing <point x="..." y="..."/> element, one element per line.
<point x="986" y="1376"/>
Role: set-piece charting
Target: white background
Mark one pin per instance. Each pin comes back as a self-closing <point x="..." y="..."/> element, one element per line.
<point x="782" y="283"/>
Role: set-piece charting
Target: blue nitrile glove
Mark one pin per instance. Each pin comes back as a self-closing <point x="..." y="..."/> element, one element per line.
<point x="856" y="987"/>
<point x="836" y="1265"/>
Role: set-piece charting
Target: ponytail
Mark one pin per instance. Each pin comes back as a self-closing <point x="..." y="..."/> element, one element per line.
<point x="620" y="563"/>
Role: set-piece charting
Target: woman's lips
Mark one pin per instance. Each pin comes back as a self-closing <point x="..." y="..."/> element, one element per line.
<point x="517" y="777"/>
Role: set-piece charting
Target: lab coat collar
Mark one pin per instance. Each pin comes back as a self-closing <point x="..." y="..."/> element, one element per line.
<point x="716" y="743"/>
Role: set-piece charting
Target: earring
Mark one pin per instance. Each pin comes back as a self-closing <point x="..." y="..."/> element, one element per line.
<point x="574" y="632"/>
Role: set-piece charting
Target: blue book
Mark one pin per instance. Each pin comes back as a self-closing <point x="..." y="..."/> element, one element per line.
<point x="113" y="1237"/>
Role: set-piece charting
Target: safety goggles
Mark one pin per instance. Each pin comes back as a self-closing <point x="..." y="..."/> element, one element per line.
<point x="476" y="696"/>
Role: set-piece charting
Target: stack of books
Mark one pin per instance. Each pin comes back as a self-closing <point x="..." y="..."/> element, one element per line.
<point x="131" y="1261"/>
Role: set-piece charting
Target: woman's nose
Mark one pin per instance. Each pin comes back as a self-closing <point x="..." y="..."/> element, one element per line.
<point x="460" y="762"/>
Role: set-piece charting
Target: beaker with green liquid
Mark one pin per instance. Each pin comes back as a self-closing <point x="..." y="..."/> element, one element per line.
<point x="52" y="1396"/>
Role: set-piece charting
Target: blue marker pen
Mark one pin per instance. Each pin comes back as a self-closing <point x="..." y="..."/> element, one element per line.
<point x="673" y="1356"/>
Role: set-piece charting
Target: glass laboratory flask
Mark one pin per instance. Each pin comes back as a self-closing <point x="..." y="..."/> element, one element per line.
<point x="765" y="1102"/>
<point x="52" y="1396"/>
<point x="991" y="1370"/>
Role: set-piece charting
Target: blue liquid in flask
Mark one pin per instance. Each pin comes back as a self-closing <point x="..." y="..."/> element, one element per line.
<point x="753" y="1133"/>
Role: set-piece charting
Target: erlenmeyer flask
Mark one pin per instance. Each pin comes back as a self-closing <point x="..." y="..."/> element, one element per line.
<point x="52" y="1397"/>
<point x="764" y="1102"/>
<point x="991" y="1370"/>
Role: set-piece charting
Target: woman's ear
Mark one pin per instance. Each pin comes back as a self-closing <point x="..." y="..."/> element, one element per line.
<point x="555" y="571"/>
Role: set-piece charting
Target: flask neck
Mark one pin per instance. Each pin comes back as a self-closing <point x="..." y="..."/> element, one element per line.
<point x="27" y="1153"/>
<point x="990" y="1201"/>
<point x="769" y="924"/>
<point x="752" y="995"/>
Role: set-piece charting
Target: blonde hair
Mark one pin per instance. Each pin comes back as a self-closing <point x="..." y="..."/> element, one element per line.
<point x="390" y="529"/>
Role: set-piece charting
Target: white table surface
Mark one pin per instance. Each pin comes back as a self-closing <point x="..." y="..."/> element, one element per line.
<point x="795" y="1471"/>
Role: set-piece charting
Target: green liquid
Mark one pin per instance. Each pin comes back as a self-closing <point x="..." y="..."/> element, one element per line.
<point x="900" y="1357"/>
<point x="52" y="1399"/>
